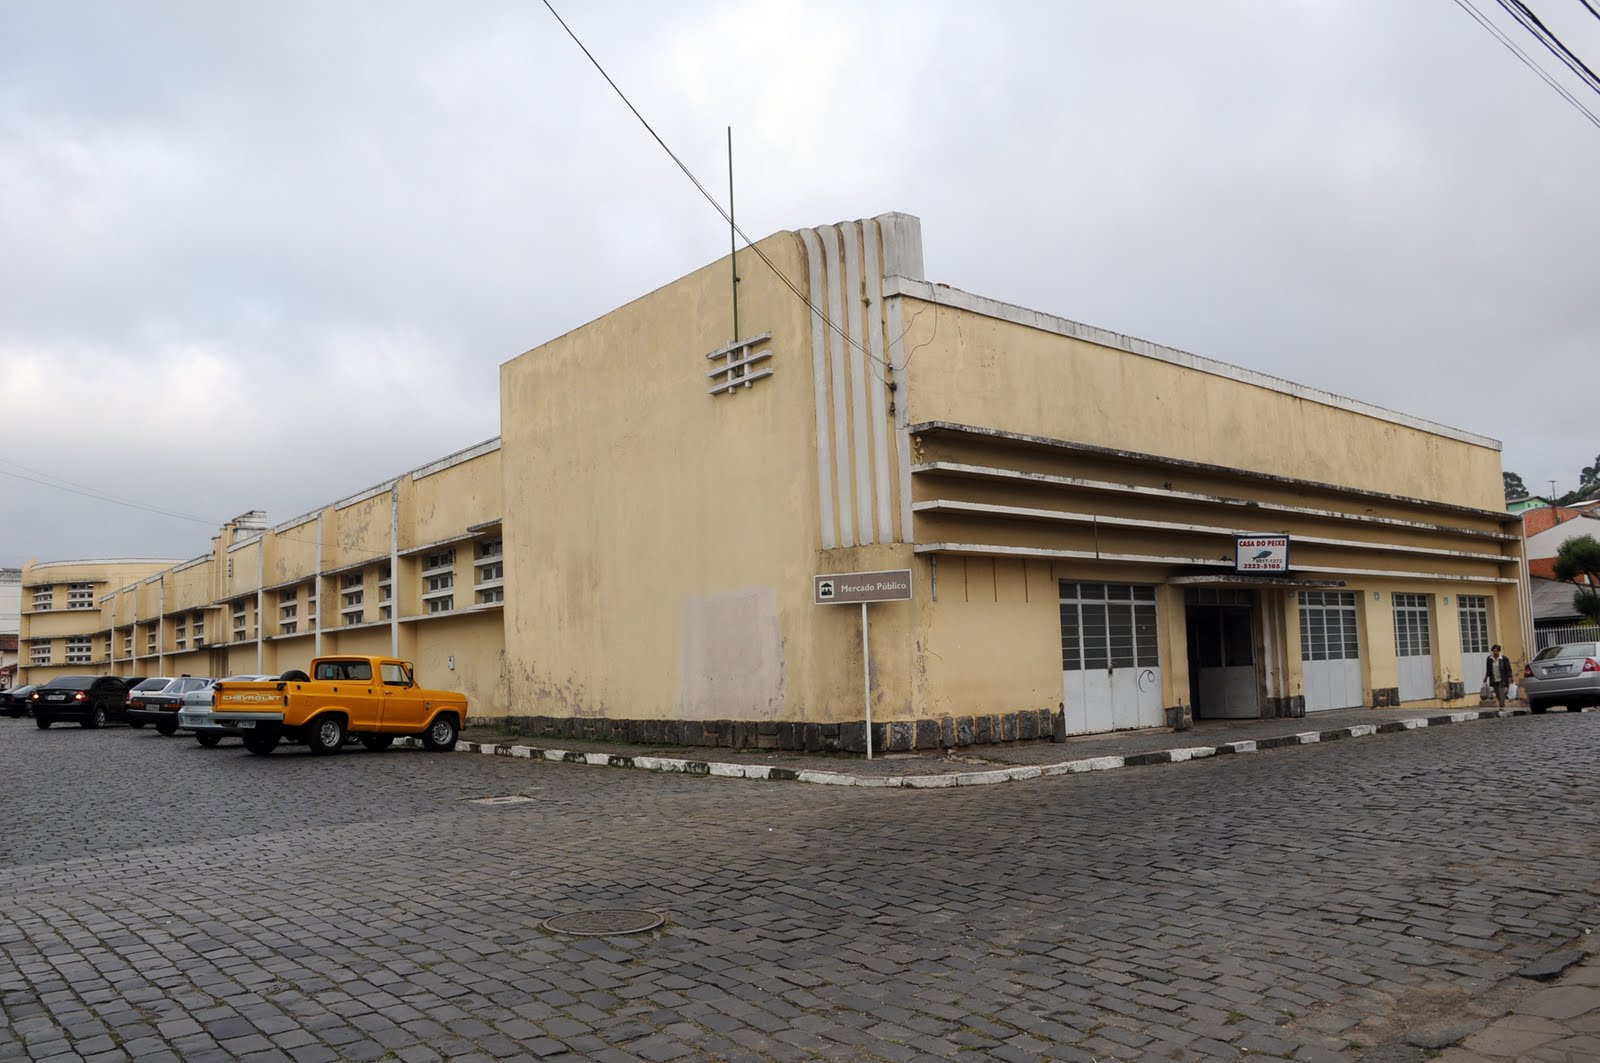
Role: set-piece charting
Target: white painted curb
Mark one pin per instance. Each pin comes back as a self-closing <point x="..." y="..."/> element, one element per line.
<point x="950" y="780"/>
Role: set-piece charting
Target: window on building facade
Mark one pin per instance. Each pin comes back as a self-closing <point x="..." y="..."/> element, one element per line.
<point x="1474" y="624"/>
<point x="438" y="581"/>
<point x="238" y="622"/>
<point x="80" y="596"/>
<point x="1108" y="625"/>
<point x="199" y="626"/>
<point x="38" y="651"/>
<point x="127" y="643"/>
<point x="1412" y="638"/>
<point x="352" y="597"/>
<point x="80" y="649"/>
<point x="490" y="572"/>
<point x="44" y="599"/>
<point x="1328" y="626"/>
<point x="180" y="633"/>
<point x="150" y="639"/>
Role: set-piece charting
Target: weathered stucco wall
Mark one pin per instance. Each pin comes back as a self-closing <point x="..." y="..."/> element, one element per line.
<point x="974" y="368"/>
<point x="660" y="540"/>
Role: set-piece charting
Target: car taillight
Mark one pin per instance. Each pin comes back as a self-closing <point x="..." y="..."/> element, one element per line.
<point x="1589" y="665"/>
<point x="80" y="696"/>
<point x="1527" y="671"/>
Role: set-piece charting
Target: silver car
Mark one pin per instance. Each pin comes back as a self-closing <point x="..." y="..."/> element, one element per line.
<point x="1568" y="674"/>
<point x="194" y="711"/>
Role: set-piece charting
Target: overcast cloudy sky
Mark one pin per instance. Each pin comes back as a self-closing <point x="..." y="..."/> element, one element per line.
<point x="267" y="255"/>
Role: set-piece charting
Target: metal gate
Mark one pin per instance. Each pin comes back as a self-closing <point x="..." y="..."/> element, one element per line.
<point x="1330" y="651"/>
<point x="1110" y="659"/>
<point x="1225" y="684"/>
<point x="1475" y="642"/>
<point x="1413" y="647"/>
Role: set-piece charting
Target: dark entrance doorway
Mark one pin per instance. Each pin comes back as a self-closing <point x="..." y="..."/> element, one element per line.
<point x="1223" y="681"/>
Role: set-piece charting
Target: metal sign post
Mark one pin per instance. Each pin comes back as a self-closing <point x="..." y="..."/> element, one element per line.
<point x="849" y="588"/>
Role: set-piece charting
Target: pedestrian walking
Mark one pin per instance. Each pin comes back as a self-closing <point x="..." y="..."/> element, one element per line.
<point x="1497" y="674"/>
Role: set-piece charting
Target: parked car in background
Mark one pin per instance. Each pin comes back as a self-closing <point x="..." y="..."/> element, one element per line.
<point x="137" y="691"/>
<point x="91" y="700"/>
<point x="159" y="704"/>
<point x="194" y="711"/>
<point x="14" y="702"/>
<point x="1567" y="674"/>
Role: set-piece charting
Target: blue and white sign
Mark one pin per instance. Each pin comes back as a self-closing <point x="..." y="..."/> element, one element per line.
<point x="1261" y="553"/>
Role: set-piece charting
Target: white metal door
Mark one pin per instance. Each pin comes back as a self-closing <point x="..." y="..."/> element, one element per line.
<point x="1474" y="639"/>
<point x="1413" y="647"/>
<point x="1330" y="651"/>
<point x="1110" y="659"/>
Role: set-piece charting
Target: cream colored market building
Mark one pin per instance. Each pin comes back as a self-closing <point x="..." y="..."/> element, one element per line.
<point x="1067" y="500"/>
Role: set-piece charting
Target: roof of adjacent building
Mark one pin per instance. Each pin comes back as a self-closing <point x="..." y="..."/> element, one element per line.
<point x="1552" y="600"/>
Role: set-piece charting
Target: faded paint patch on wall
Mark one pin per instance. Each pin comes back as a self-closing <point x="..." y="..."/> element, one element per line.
<point x="731" y="660"/>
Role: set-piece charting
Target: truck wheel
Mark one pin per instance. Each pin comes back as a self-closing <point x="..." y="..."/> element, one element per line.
<point x="440" y="737"/>
<point x="261" y="742"/>
<point x="167" y="727"/>
<point x="294" y="675"/>
<point x="96" y="718"/>
<point x="207" y="739"/>
<point x="325" y="734"/>
<point x="377" y="742"/>
<point x="42" y="722"/>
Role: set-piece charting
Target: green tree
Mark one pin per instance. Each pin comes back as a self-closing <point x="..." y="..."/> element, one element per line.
<point x="1514" y="488"/>
<point x="1578" y="563"/>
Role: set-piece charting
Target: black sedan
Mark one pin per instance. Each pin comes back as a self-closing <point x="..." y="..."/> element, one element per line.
<point x="91" y="700"/>
<point x="14" y="702"/>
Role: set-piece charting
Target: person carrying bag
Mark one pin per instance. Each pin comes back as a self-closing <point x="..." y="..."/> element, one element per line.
<point x="1497" y="674"/>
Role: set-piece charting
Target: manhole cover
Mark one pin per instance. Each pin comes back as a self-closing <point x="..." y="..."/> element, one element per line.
<point x="509" y="799"/>
<point x="603" y="922"/>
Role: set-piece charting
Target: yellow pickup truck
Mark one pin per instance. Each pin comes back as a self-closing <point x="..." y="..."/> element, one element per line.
<point x="373" y="699"/>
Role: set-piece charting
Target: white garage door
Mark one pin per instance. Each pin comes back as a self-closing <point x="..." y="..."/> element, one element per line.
<point x="1110" y="660"/>
<point x="1330" y="651"/>
<point x="1413" y="647"/>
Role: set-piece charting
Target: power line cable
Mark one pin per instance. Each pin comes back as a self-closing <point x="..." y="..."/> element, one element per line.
<point x="751" y="244"/>
<point x="1527" y="61"/>
<point x="1530" y="22"/>
<point x="1590" y="4"/>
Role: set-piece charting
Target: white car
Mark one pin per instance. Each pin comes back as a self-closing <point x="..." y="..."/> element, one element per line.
<point x="194" y="712"/>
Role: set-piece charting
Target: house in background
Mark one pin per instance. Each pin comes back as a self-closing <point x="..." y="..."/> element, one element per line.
<point x="1546" y="529"/>
<point x="8" y="660"/>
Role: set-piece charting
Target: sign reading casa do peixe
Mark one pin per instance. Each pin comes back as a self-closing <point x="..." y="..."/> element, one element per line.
<point x="1261" y="553"/>
<point x="852" y="588"/>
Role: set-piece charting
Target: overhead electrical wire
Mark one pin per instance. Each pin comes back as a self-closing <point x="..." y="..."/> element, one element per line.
<point x="1510" y="45"/>
<point x="1530" y="22"/>
<point x="727" y="217"/>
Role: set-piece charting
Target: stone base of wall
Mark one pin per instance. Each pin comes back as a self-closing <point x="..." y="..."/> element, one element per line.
<point x="1454" y="690"/>
<point x="1291" y="707"/>
<point x="901" y="736"/>
<point x="1385" y="697"/>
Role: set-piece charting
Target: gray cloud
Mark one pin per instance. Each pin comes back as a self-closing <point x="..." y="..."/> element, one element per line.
<point x="213" y="213"/>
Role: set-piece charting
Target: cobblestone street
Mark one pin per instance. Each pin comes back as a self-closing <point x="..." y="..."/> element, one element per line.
<point x="1341" y="901"/>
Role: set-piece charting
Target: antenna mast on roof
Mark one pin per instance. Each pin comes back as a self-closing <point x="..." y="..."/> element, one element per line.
<point x="733" y="240"/>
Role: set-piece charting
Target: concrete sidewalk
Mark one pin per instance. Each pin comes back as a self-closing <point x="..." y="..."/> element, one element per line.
<point x="980" y="765"/>
<point x="1556" y="1023"/>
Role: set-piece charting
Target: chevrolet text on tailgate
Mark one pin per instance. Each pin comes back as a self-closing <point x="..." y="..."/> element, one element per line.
<point x="370" y="698"/>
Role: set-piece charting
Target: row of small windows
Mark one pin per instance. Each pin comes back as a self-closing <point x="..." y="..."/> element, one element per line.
<point x="79" y="596"/>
